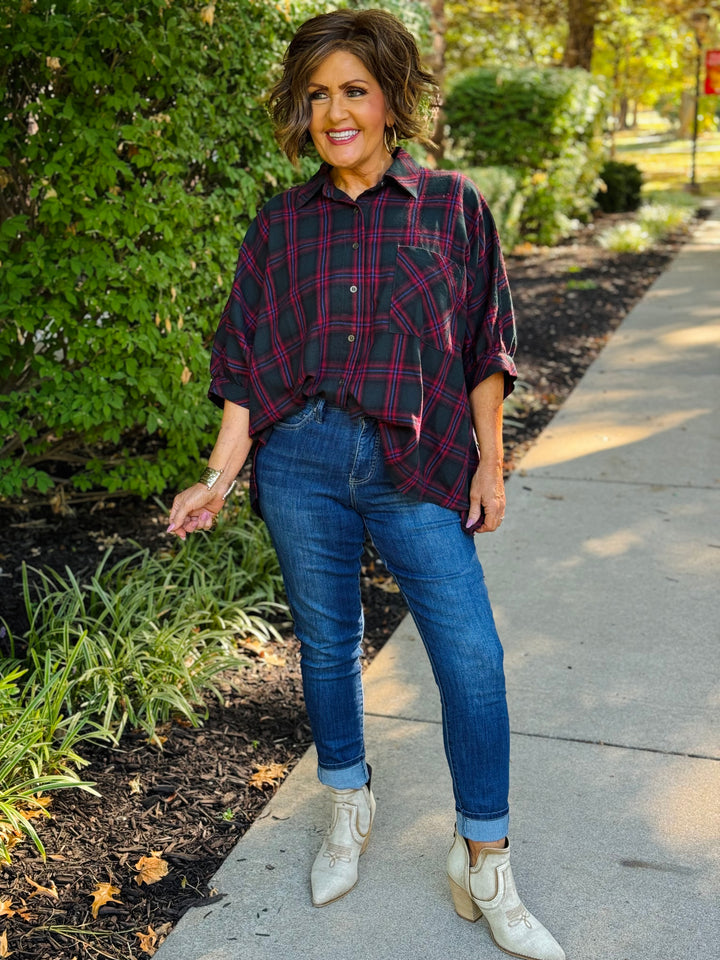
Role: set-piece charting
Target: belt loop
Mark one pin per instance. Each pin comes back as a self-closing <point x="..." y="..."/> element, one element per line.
<point x="319" y="409"/>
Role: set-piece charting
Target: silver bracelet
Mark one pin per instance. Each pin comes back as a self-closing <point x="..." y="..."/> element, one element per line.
<point x="210" y="477"/>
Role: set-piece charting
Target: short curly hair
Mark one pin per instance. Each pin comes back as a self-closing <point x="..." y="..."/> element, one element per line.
<point x="386" y="48"/>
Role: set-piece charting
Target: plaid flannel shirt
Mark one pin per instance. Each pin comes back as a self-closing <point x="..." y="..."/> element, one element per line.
<point x="395" y="305"/>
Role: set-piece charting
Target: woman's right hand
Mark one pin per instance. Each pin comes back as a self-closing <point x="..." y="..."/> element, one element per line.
<point x="195" y="508"/>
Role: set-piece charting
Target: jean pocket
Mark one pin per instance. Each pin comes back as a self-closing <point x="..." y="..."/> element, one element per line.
<point x="297" y="419"/>
<point x="427" y="289"/>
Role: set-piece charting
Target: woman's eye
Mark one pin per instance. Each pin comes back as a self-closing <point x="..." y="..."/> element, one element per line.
<point x="317" y="95"/>
<point x="355" y="92"/>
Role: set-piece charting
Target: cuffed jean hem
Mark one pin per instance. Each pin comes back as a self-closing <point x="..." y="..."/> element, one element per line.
<point x="482" y="830"/>
<point x="346" y="778"/>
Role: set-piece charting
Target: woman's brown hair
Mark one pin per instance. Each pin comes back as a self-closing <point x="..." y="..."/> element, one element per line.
<point x="386" y="48"/>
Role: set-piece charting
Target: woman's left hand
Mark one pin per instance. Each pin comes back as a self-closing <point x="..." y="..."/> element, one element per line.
<point x="194" y="509"/>
<point x="487" y="498"/>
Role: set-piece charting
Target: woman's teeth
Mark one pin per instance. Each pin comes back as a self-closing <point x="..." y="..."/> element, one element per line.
<point x="345" y="135"/>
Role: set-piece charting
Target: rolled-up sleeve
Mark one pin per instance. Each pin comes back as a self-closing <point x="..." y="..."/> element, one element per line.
<point x="231" y="359"/>
<point x="490" y="337"/>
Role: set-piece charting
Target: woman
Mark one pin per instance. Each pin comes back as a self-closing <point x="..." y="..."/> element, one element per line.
<point x="365" y="350"/>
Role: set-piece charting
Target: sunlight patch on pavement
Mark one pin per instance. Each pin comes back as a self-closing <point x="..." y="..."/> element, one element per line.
<point x="565" y="442"/>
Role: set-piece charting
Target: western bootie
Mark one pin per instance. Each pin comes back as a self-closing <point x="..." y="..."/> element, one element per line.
<point x="335" y="871"/>
<point x="488" y="888"/>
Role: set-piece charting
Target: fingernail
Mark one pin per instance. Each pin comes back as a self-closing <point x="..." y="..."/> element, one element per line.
<point x="170" y="528"/>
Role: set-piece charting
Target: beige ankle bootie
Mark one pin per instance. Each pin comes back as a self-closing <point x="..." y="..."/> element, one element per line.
<point x="488" y="888"/>
<point x="335" y="871"/>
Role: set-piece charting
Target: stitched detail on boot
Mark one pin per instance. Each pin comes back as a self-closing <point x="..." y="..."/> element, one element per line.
<point x="518" y="915"/>
<point x="335" y="852"/>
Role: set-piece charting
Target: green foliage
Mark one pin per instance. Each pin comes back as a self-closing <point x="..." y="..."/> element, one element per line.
<point x="134" y="152"/>
<point x="38" y="740"/>
<point x="621" y="187"/>
<point x="654" y="222"/>
<point x="136" y="643"/>
<point x="625" y="238"/>
<point x="542" y="123"/>
<point x="148" y="636"/>
<point x="502" y="187"/>
<point x="662" y="219"/>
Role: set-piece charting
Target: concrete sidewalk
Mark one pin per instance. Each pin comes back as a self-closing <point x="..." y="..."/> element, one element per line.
<point x="604" y="582"/>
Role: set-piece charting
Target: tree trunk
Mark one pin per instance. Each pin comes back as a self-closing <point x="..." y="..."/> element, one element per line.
<point x="582" y="16"/>
<point x="437" y="65"/>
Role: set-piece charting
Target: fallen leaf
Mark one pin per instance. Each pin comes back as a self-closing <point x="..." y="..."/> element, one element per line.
<point x="272" y="659"/>
<point x="41" y="891"/>
<point x="134" y="785"/>
<point x="4" y="952"/>
<point x="269" y="775"/>
<point x="105" y="893"/>
<point x="5" y="908"/>
<point x="254" y="646"/>
<point x="148" y="941"/>
<point x="24" y="913"/>
<point x="151" y="869"/>
<point x="386" y="584"/>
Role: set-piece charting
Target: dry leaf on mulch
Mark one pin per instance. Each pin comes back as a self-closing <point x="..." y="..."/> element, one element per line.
<point x="105" y="893"/>
<point x="151" y="869"/>
<point x="268" y="776"/>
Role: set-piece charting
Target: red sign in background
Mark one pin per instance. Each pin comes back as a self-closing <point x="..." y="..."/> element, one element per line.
<point x="712" y="71"/>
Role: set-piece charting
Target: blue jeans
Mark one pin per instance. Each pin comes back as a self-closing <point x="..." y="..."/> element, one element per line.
<point x="322" y="484"/>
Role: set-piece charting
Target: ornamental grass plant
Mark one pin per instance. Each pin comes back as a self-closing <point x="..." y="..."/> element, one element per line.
<point x="131" y="645"/>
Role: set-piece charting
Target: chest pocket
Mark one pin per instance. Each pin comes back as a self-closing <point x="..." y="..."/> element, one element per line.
<point x="427" y="288"/>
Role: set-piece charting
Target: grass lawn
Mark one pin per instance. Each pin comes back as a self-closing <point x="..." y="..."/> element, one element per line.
<point x="666" y="164"/>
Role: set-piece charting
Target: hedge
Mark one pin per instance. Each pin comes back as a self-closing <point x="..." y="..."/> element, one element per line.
<point x="134" y="151"/>
<point x="545" y="125"/>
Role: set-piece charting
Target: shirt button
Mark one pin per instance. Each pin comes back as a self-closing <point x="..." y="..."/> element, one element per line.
<point x="353" y="289"/>
<point x="356" y="245"/>
<point x="351" y="338"/>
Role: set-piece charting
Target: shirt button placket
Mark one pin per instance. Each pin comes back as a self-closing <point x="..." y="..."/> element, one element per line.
<point x="354" y="290"/>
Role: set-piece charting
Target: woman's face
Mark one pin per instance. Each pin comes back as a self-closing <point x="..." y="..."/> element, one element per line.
<point x="349" y="115"/>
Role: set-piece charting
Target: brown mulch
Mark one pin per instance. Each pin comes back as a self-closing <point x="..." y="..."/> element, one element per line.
<point x="189" y="802"/>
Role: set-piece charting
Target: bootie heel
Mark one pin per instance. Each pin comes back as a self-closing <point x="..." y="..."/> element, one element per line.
<point x="465" y="906"/>
<point x="488" y="889"/>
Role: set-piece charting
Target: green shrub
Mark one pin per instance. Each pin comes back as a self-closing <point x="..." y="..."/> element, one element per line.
<point x="542" y="123"/>
<point x="38" y="740"/>
<point x="502" y="187"/>
<point x="625" y="238"/>
<point x="148" y="636"/>
<point x="134" y="150"/>
<point x="621" y="187"/>
<point x="661" y="219"/>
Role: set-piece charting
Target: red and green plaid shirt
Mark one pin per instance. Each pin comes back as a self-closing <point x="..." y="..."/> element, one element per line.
<point x="395" y="304"/>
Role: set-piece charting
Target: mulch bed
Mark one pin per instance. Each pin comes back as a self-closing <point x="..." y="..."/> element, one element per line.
<point x="189" y="802"/>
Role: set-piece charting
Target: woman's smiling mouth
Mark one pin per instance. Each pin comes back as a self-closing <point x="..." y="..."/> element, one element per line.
<point x="341" y="136"/>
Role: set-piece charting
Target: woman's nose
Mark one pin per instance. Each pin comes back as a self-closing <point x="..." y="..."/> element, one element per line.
<point x="336" y="109"/>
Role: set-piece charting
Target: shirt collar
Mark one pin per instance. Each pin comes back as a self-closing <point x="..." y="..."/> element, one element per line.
<point x="403" y="170"/>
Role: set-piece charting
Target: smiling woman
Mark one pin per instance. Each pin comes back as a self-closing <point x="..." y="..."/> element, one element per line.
<point x="365" y="351"/>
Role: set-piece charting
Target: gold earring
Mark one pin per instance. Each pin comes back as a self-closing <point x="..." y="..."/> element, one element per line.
<point x="391" y="140"/>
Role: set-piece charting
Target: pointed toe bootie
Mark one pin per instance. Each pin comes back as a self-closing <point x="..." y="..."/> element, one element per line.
<point x="335" y="871"/>
<point x="488" y="888"/>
